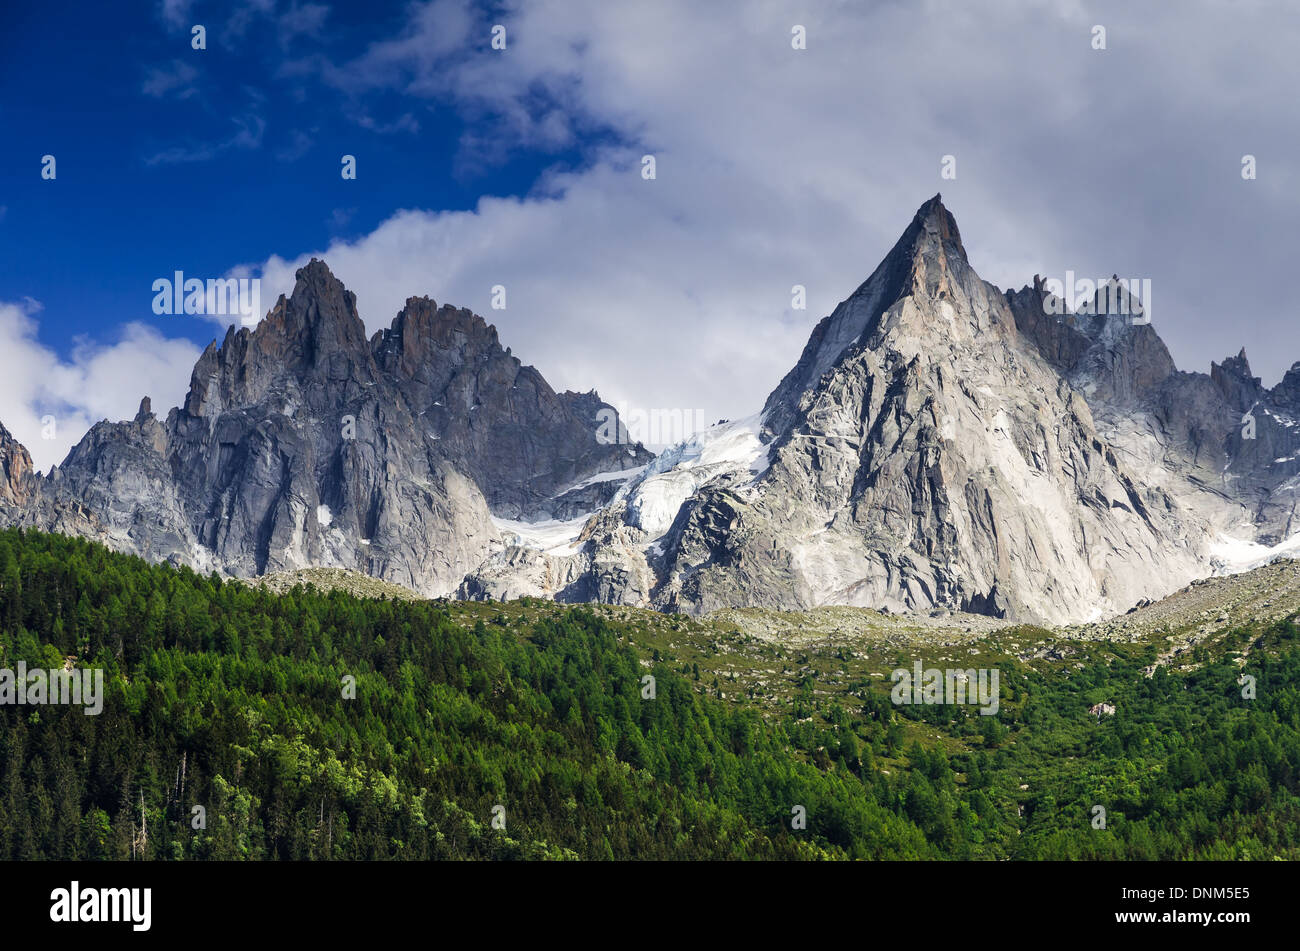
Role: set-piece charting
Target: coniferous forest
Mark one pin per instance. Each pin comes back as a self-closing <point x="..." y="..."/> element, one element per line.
<point x="242" y="724"/>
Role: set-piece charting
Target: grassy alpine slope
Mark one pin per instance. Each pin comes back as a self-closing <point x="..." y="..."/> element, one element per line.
<point x="232" y="697"/>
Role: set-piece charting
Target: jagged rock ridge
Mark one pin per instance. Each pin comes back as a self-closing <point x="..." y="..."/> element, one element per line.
<point x="303" y="443"/>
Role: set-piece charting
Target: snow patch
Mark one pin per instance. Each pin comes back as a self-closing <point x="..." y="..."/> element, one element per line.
<point x="675" y="474"/>
<point x="1231" y="556"/>
<point x="613" y="475"/>
<point x="551" y="537"/>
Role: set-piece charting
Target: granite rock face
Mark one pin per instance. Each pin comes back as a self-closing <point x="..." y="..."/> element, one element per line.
<point x="1221" y="442"/>
<point x="940" y="444"/>
<point x="303" y="443"/>
<point x="923" y="455"/>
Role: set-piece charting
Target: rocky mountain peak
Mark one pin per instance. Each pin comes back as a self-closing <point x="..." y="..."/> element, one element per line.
<point x="1288" y="391"/>
<point x="311" y="347"/>
<point x="924" y="453"/>
<point x="1107" y="348"/>
<point x="301" y="442"/>
<point x="1238" y="366"/>
<point x="1234" y="380"/>
<point x="319" y="318"/>
<point x="1113" y="298"/>
<point x="926" y="259"/>
<point x="422" y="331"/>
<point x="927" y="264"/>
<point x="933" y="218"/>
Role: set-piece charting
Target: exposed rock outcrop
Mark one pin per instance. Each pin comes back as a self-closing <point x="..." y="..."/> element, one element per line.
<point x="303" y="443"/>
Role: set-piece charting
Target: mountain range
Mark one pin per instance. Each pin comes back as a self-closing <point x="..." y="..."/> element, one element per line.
<point x="939" y="445"/>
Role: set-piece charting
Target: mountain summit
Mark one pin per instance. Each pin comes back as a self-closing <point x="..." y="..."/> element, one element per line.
<point x="919" y="261"/>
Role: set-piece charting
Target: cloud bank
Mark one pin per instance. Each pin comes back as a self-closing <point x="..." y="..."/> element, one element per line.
<point x="778" y="167"/>
<point x="50" y="402"/>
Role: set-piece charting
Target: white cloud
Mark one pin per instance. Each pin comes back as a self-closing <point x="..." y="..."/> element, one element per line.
<point x="779" y="167"/>
<point x="305" y="19"/>
<point x="97" y="381"/>
<point x="403" y="123"/>
<point x="672" y="293"/>
<point x="299" y="145"/>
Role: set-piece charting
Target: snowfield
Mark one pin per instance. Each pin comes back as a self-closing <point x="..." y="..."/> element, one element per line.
<point x="654" y="500"/>
<point x="1231" y="556"/>
<point x="551" y="537"/>
<point x="613" y="475"/>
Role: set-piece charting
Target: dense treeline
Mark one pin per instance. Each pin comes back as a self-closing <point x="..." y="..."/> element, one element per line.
<point x="1191" y="770"/>
<point x="241" y="690"/>
<point x="223" y="696"/>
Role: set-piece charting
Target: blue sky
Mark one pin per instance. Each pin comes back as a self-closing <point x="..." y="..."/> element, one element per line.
<point x="776" y="167"/>
<point x="171" y="158"/>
